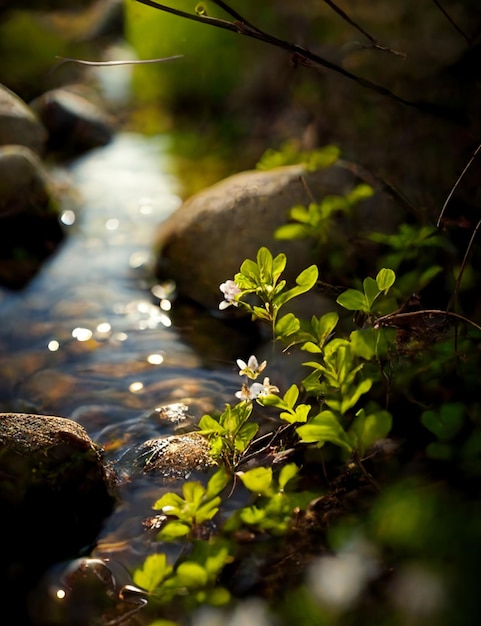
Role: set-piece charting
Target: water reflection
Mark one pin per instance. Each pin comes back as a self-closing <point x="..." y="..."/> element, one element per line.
<point x="91" y="337"/>
<point x="90" y="329"/>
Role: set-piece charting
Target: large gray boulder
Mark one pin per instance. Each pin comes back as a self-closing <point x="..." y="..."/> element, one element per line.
<point x="205" y="241"/>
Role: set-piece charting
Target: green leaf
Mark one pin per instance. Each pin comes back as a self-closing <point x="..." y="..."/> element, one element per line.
<point x="323" y="157"/>
<point x="364" y="342"/>
<point x="291" y="396"/>
<point x="323" y="428"/>
<point x="170" y="501"/>
<point x="312" y="347"/>
<point x="219" y="596"/>
<point x="291" y="231"/>
<point x="249" y="269"/>
<point x="287" y="325"/>
<point x="174" y="530"/>
<point x="385" y="279"/>
<point x="300" y="414"/>
<point x="193" y="491"/>
<point x="308" y="277"/>
<point x="447" y="422"/>
<point x="208" y="425"/>
<point x="367" y="429"/>
<point x="264" y="261"/>
<point x="300" y="214"/>
<point x="207" y="510"/>
<point x="371" y="291"/>
<point x="326" y="325"/>
<point x="273" y="400"/>
<point x="278" y="265"/>
<point x="305" y="281"/>
<point x="353" y="300"/>
<point x="217" y="483"/>
<point x="191" y="575"/>
<point x="154" y="570"/>
<point x="245" y="435"/>
<point x="257" y="480"/>
<point x="360" y="192"/>
<point x="354" y="395"/>
<point x="252" y="516"/>
<point x="287" y="473"/>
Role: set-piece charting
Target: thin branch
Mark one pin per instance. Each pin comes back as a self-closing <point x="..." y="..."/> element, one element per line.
<point x="63" y="60"/>
<point x="463" y="265"/>
<point x="390" y="319"/>
<point x="456" y="184"/>
<point x="300" y="55"/>
<point x="452" y="22"/>
<point x="350" y="21"/>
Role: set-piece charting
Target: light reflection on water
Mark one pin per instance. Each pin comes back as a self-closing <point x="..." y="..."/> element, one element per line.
<point x="90" y="339"/>
<point x="89" y="330"/>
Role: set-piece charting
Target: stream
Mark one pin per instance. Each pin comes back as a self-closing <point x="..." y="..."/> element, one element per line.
<point x="92" y="337"/>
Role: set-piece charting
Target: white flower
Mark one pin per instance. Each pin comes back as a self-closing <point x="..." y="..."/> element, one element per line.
<point x="251" y="369"/>
<point x="267" y="388"/>
<point x="256" y="390"/>
<point x="230" y="291"/>
<point x="249" y="393"/>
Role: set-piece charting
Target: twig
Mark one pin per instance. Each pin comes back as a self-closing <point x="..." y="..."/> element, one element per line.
<point x="350" y="21"/>
<point x="63" y="60"/>
<point x="452" y="22"/>
<point x="463" y="265"/>
<point x="389" y="320"/>
<point x="456" y="184"/>
<point x="300" y="55"/>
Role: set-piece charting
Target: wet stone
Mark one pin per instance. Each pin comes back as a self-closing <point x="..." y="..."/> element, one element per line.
<point x="55" y="493"/>
<point x="174" y="457"/>
<point x="74" y="123"/>
<point x="19" y="125"/>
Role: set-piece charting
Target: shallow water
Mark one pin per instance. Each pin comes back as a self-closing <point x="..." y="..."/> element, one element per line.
<point x="91" y="328"/>
<point x="91" y="338"/>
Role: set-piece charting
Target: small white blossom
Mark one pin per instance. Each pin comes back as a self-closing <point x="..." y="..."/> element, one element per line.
<point x="256" y="390"/>
<point x="251" y="369"/>
<point x="230" y="291"/>
<point x="267" y="388"/>
<point x="249" y="393"/>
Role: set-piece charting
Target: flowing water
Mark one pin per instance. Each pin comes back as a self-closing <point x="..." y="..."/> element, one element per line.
<point x="92" y="337"/>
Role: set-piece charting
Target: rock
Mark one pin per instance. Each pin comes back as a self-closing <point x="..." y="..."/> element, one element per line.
<point x="74" y="123"/>
<point x="30" y="229"/>
<point x="54" y="492"/>
<point x="173" y="458"/>
<point x="19" y="124"/>
<point x="205" y="241"/>
<point x="25" y="186"/>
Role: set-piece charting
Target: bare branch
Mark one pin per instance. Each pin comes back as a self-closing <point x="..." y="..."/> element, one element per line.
<point x="452" y="22"/>
<point x="350" y="21"/>
<point x="63" y="60"/>
<point x="300" y="55"/>
<point x="456" y="184"/>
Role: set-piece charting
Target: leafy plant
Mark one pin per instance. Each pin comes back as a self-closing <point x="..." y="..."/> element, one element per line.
<point x="192" y="581"/>
<point x="364" y="301"/>
<point x="198" y="504"/>
<point x="316" y="220"/>
<point x="274" y="505"/>
<point x="230" y="433"/>
<point x="289" y="154"/>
